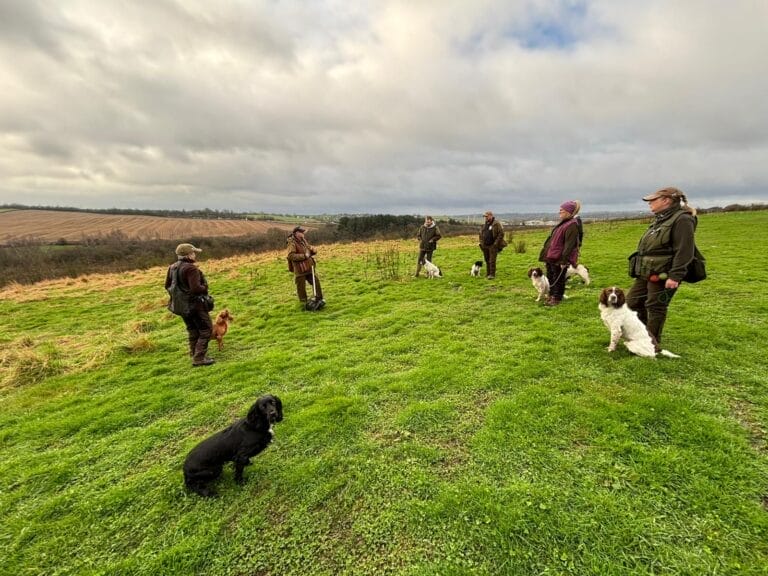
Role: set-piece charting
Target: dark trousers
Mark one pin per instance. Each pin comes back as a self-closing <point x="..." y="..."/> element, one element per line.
<point x="650" y="300"/>
<point x="301" y="286"/>
<point x="556" y="276"/>
<point x="424" y="255"/>
<point x="489" y="255"/>
<point x="199" y="328"/>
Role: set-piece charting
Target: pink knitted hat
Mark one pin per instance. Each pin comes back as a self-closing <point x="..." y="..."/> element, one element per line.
<point x="569" y="206"/>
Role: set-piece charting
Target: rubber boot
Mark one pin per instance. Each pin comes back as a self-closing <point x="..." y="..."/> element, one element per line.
<point x="418" y="270"/>
<point x="200" y="358"/>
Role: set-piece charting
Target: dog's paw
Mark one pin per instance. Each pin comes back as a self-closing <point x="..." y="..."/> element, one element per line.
<point x="611" y="348"/>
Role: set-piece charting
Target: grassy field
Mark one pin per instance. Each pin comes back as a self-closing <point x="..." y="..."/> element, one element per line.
<point x="431" y="427"/>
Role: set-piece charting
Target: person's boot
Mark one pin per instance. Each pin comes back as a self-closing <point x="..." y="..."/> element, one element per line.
<point x="418" y="270"/>
<point x="552" y="301"/>
<point x="201" y="358"/>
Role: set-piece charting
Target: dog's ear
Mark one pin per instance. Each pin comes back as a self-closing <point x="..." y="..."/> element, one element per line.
<point x="620" y="298"/>
<point x="604" y="296"/>
<point x="279" y="406"/>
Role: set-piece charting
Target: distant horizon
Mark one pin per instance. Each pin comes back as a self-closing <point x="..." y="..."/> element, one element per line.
<point x="529" y="213"/>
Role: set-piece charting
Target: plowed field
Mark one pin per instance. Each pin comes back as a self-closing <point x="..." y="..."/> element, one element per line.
<point x="51" y="226"/>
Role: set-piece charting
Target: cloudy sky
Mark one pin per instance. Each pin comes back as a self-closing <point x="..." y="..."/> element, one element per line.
<point x="412" y="106"/>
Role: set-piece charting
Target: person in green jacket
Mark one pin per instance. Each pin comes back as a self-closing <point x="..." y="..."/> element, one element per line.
<point x="662" y="258"/>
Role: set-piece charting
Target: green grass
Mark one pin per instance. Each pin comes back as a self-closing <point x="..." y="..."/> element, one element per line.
<point x="445" y="427"/>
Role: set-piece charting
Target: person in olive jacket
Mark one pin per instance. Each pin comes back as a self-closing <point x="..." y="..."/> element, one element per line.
<point x="198" y="321"/>
<point x="560" y="249"/>
<point x="662" y="258"/>
<point x="428" y="235"/>
<point x="491" y="243"/>
<point x="302" y="263"/>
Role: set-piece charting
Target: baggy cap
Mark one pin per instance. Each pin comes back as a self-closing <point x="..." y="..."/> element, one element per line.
<point x="186" y="250"/>
<point x="673" y="193"/>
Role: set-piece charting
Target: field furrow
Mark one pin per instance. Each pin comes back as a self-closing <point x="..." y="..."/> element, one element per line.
<point x="53" y="226"/>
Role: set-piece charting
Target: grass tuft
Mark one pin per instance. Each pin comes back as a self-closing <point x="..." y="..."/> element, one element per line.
<point x="25" y="366"/>
<point x="139" y="345"/>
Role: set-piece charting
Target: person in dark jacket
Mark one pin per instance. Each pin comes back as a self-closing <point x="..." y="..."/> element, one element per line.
<point x="491" y="243"/>
<point x="662" y="258"/>
<point x="428" y="235"/>
<point x="301" y="262"/>
<point x="560" y="249"/>
<point x="198" y="321"/>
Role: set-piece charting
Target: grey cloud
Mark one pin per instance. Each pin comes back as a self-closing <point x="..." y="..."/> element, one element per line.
<point x="385" y="106"/>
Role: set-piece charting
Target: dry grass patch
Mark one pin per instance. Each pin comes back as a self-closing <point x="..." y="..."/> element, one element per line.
<point x="24" y="365"/>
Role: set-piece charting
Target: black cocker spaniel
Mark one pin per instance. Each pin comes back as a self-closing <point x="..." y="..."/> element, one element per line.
<point x="236" y="443"/>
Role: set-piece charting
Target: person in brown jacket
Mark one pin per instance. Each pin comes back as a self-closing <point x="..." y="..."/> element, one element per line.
<point x="197" y="320"/>
<point x="302" y="263"/>
<point x="491" y="243"/>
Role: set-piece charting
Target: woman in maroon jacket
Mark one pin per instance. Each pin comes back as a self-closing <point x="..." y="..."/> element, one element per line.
<point x="560" y="250"/>
<point x="197" y="319"/>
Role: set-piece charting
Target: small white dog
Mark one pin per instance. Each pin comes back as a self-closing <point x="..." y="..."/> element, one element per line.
<point x="624" y="323"/>
<point x="580" y="270"/>
<point x="432" y="270"/>
<point x="475" y="271"/>
<point x="539" y="281"/>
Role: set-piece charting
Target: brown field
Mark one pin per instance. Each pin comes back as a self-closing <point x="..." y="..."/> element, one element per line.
<point x="51" y="226"/>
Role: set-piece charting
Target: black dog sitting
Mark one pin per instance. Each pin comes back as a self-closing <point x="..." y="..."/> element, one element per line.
<point x="236" y="443"/>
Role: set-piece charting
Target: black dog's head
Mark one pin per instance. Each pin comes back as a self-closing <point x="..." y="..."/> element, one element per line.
<point x="267" y="409"/>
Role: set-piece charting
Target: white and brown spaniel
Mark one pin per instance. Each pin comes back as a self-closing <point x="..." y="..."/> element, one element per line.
<point x="539" y="281"/>
<point x="624" y="323"/>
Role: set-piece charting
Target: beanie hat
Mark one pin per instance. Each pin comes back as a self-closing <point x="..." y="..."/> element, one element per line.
<point x="569" y="206"/>
<point x="186" y="250"/>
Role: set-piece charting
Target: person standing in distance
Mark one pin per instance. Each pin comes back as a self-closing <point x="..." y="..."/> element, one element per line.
<point x="491" y="243"/>
<point x="302" y="263"/>
<point x="428" y="235"/>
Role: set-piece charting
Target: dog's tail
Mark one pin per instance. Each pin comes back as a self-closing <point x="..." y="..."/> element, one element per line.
<point x="668" y="354"/>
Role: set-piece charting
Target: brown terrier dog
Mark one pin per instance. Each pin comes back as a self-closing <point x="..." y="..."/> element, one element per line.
<point x="220" y="326"/>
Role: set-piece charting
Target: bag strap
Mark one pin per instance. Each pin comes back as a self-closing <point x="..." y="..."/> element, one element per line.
<point x="177" y="277"/>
